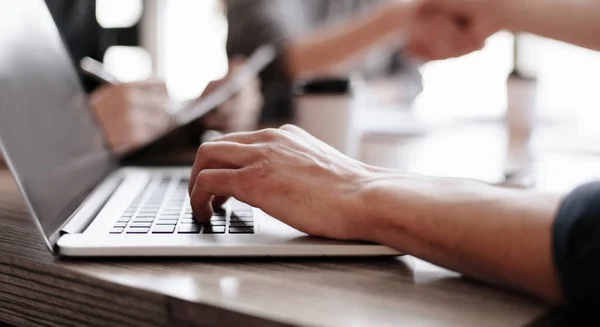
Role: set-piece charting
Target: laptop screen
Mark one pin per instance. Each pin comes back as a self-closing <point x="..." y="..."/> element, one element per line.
<point x="48" y="134"/>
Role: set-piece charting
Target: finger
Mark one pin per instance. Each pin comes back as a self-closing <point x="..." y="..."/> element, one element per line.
<point x="439" y="39"/>
<point x="219" y="201"/>
<point x="418" y="51"/>
<point x="447" y="40"/>
<point x="200" y="202"/>
<point x="209" y="182"/>
<point x="221" y="154"/>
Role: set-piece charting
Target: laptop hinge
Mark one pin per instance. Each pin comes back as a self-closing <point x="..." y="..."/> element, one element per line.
<point x="91" y="206"/>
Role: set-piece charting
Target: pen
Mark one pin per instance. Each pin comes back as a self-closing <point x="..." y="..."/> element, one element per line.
<point x="96" y="70"/>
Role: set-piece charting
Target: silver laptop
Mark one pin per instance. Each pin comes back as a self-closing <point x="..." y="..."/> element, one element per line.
<point x="81" y="200"/>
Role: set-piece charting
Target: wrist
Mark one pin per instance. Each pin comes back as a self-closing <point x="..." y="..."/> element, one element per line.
<point x="388" y="200"/>
<point x="399" y="204"/>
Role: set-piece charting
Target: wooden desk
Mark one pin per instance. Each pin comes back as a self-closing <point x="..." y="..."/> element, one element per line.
<point x="37" y="288"/>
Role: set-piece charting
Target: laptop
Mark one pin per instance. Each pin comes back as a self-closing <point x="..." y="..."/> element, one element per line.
<point x="81" y="199"/>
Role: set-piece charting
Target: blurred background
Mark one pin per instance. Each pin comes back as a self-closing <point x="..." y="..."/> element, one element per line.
<point x="183" y="41"/>
<point x="523" y="97"/>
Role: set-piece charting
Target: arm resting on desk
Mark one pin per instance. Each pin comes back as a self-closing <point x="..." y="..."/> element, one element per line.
<point x="498" y="235"/>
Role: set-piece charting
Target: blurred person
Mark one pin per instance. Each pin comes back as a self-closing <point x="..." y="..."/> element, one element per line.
<point x="319" y="38"/>
<point x="451" y="28"/>
<point x="544" y="244"/>
<point x="134" y="114"/>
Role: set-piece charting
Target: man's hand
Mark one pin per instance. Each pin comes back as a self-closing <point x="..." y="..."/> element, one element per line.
<point x="132" y="114"/>
<point x="442" y="29"/>
<point x="242" y="111"/>
<point x="290" y="175"/>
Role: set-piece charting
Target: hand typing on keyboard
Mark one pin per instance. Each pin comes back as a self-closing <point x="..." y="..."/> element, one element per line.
<point x="287" y="173"/>
<point x="460" y="224"/>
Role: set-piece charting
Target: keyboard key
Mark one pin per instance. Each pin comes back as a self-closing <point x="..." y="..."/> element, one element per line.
<point x="120" y="224"/>
<point x="241" y="230"/>
<point x="143" y="220"/>
<point x="214" y="230"/>
<point x="123" y="220"/>
<point x="237" y="205"/>
<point x="189" y="229"/>
<point x="169" y="216"/>
<point x="138" y="231"/>
<point x="146" y="215"/>
<point x="241" y="219"/>
<point x="217" y="223"/>
<point x="241" y="224"/>
<point x="167" y="222"/>
<point x="140" y="225"/>
<point x="218" y="218"/>
<point x="163" y="229"/>
<point x="239" y="213"/>
<point x="117" y="230"/>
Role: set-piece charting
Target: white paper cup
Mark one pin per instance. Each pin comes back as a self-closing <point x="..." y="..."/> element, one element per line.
<point x="326" y="109"/>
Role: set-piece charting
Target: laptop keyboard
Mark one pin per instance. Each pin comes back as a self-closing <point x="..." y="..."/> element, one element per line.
<point x="163" y="208"/>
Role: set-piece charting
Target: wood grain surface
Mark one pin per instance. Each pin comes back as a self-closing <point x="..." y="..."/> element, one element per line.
<point x="39" y="289"/>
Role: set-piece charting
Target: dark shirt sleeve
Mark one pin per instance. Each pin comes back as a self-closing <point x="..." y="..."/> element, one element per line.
<point x="577" y="247"/>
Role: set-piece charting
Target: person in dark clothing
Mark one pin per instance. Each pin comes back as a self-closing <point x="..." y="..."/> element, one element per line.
<point x="543" y="244"/>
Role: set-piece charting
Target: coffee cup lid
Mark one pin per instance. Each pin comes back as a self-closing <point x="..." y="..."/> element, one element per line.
<point x="327" y="85"/>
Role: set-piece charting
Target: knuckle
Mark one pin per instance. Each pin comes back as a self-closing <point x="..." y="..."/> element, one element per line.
<point x="267" y="152"/>
<point x="270" y="134"/>
<point x="205" y="148"/>
<point x="203" y="152"/>
<point x="262" y="169"/>
<point x="289" y="128"/>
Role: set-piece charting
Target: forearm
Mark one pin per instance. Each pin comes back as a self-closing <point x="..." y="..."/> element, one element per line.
<point x="572" y="21"/>
<point x="329" y="47"/>
<point x="498" y="235"/>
